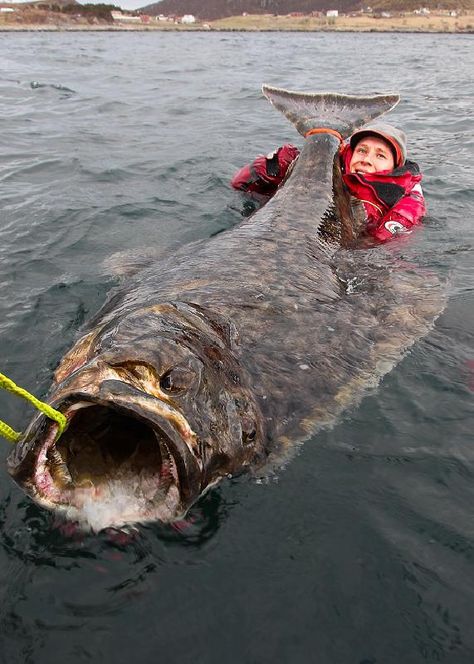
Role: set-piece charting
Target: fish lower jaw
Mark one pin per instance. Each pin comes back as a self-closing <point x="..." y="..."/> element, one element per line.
<point x="111" y="502"/>
<point x="96" y="513"/>
<point x="107" y="470"/>
<point x="110" y="507"/>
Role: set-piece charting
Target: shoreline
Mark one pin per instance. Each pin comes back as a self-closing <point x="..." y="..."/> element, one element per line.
<point x="40" y="28"/>
<point x="436" y="23"/>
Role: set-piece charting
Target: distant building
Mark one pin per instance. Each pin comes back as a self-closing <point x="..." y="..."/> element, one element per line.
<point x="332" y="13"/>
<point x="188" y="19"/>
<point x="6" y="10"/>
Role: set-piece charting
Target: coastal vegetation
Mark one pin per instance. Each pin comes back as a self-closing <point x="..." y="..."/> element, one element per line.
<point x="56" y="13"/>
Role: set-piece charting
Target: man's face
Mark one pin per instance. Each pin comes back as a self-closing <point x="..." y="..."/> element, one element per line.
<point x="371" y="155"/>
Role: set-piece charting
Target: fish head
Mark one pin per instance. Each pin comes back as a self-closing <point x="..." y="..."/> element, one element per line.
<point x="159" y="409"/>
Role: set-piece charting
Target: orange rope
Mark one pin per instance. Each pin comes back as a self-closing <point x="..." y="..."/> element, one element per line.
<point x="324" y="130"/>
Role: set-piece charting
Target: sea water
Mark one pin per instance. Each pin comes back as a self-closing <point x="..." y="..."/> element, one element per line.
<point x="361" y="551"/>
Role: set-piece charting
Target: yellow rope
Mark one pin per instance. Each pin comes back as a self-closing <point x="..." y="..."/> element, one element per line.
<point x="9" y="433"/>
<point x="13" y="436"/>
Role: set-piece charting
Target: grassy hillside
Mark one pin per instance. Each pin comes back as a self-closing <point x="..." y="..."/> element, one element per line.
<point x="356" y="23"/>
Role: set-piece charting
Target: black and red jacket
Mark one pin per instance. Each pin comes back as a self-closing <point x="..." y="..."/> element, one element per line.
<point x="393" y="200"/>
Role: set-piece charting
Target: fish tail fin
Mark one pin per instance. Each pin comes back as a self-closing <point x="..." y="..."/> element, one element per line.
<point x="330" y="110"/>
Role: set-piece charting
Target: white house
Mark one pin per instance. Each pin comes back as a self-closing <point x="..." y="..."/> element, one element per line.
<point x="188" y="18"/>
<point x="332" y="13"/>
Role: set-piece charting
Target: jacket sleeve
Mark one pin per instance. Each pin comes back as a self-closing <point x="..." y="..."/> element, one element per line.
<point x="266" y="172"/>
<point x="402" y="217"/>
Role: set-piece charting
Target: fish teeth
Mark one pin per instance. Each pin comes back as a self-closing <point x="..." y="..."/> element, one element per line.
<point x="58" y="468"/>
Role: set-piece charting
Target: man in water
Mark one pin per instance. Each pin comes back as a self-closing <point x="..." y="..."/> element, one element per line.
<point x="375" y="171"/>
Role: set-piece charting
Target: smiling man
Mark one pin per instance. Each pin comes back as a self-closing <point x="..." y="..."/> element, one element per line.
<point x="375" y="171"/>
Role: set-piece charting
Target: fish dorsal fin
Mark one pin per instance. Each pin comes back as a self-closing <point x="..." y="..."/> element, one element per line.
<point x="331" y="110"/>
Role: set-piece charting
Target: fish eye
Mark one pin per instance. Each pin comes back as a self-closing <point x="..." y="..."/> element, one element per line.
<point x="249" y="432"/>
<point x="176" y="380"/>
<point x="249" y="436"/>
<point x="166" y="382"/>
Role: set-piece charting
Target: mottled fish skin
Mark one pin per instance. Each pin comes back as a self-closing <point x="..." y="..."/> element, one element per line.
<point x="264" y="334"/>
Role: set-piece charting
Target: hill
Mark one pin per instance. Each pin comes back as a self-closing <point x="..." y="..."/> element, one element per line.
<point x="216" y="9"/>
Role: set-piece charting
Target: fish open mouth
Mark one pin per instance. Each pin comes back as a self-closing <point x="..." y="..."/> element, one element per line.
<point x="108" y="468"/>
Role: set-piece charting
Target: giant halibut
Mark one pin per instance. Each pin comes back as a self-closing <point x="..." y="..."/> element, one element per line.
<point x="225" y="354"/>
